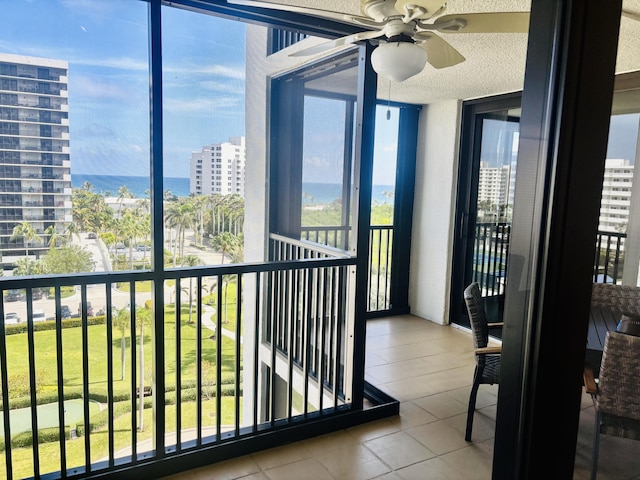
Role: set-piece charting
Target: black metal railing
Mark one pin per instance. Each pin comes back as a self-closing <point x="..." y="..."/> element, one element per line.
<point x="609" y="259"/>
<point x="95" y="378"/>
<point x="490" y="252"/>
<point x="491" y="249"/>
<point x="380" y="258"/>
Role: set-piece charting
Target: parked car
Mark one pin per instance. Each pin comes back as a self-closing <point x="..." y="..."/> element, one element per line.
<point x="11" y="318"/>
<point x="92" y="236"/>
<point x="65" y="311"/>
<point x="37" y="293"/>
<point x="89" y="309"/>
<point x="39" y="316"/>
<point x="143" y="248"/>
<point x="13" y="295"/>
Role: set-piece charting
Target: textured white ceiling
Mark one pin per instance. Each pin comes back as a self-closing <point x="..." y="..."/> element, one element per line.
<point x="494" y="62"/>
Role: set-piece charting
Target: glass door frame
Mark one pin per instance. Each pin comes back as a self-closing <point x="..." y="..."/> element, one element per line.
<point x="473" y="112"/>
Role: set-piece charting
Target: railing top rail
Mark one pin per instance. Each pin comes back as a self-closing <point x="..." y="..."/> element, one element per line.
<point x="333" y="252"/>
<point x="197" y="271"/>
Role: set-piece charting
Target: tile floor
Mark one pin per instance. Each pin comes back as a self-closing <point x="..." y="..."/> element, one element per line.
<point x="429" y="369"/>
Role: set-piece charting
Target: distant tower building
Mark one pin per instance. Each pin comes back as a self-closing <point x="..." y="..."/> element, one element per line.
<point x="616" y="195"/>
<point x="494" y="192"/>
<point x="218" y="168"/>
<point x="35" y="178"/>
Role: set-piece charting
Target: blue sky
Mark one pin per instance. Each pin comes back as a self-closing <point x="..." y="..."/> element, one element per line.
<point x="106" y="45"/>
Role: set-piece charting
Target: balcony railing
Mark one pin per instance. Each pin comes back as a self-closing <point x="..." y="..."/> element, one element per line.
<point x="380" y="258"/>
<point x="218" y="355"/>
<point x="491" y="249"/>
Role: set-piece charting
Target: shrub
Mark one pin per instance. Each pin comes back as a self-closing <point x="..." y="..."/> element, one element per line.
<point x="51" y="324"/>
<point x="45" y="435"/>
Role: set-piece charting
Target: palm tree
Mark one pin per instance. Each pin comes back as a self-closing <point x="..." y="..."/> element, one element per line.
<point x="121" y="320"/>
<point x="190" y="261"/>
<point x="224" y="242"/>
<point x="123" y="192"/>
<point x="143" y="315"/>
<point x="182" y="216"/>
<point x="28" y="234"/>
<point x="53" y="236"/>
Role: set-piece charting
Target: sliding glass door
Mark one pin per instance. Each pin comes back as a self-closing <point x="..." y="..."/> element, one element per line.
<point x="485" y="202"/>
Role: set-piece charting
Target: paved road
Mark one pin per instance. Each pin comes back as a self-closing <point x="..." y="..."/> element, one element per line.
<point x="96" y="293"/>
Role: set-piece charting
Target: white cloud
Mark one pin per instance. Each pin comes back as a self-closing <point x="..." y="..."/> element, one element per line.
<point x="210" y="70"/>
<point x="199" y="104"/>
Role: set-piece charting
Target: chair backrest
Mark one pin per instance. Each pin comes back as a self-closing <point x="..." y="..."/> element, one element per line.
<point x="477" y="315"/>
<point x="619" y="298"/>
<point x="619" y="384"/>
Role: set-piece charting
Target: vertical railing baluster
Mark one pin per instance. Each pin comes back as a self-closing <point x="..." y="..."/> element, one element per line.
<point x="256" y="345"/>
<point x="370" y="272"/>
<point x="292" y="322"/>
<point x="387" y="269"/>
<point x="338" y="375"/>
<point x="85" y="376"/>
<point x="331" y="319"/>
<point x="199" y="359"/>
<point x="219" y="361"/>
<point x="379" y="235"/>
<point x="32" y="385"/>
<point x="308" y="297"/>
<point x="60" y="373"/>
<point x="272" y="371"/>
<point x="134" y="369"/>
<point x="335" y="299"/>
<point x="238" y="351"/>
<point x="4" y="379"/>
<point x="178" y="323"/>
<point x="322" y="295"/>
<point x="110" y="400"/>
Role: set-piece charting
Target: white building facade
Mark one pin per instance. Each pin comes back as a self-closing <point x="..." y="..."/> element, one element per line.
<point x="35" y="175"/>
<point x="616" y="195"/>
<point x="219" y="168"/>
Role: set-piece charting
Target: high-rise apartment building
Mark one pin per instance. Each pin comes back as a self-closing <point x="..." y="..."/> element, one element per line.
<point x="35" y="178"/>
<point x="616" y="195"/>
<point x="495" y="190"/>
<point x="219" y="168"/>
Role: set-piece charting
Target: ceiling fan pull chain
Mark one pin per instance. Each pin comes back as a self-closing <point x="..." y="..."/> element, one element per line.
<point x="389" y="102"/>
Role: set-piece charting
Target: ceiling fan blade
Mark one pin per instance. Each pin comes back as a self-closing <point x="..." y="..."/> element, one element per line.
<point x="631" y="15"/>
<point x="500" y="22"/>
<point x="317" y="12"/>
<point x="431" y="7"/>
<point x="338" y="42"/>
<point x="440" y="54"/>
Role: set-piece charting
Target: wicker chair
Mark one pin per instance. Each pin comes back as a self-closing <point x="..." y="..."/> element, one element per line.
<point x="487" y="369"/>
<point x="617" y="395"/>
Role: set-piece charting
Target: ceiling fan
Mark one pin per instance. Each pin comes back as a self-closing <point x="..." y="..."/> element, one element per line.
<point x="407" y="32"/>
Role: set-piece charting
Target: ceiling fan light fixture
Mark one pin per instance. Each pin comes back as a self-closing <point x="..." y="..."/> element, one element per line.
<point x="398" y="60"/>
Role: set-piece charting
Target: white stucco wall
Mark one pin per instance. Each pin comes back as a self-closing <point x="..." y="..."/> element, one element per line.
<point x="433" y="211"/>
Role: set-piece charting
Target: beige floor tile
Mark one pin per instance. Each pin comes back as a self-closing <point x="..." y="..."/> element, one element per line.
<point x="275" y="457"/>
<point x="439" y="437"/>
<point x="411" y="415"/>
<point x="330" y="441"/>
<point x="473" y="462"/>
<point x="354" y="462"/>
<point x="227" y="470"/>
<point x="432" y="469"/>
<point x="371" y="430"/>
<point x="304" y="469"/>
<point x="390" y="372"/>
<point x="399" y="450"/>
<point x="442" y="405"/>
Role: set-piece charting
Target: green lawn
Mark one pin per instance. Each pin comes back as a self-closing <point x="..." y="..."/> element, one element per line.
<point x="75" y="450"/>
<point x="46" y="364"/>
<point x="46" y="368"/>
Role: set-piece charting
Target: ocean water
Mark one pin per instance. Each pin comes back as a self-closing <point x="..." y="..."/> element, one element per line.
<point x="178" y="186"/>
<point x="312" y="192"/>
